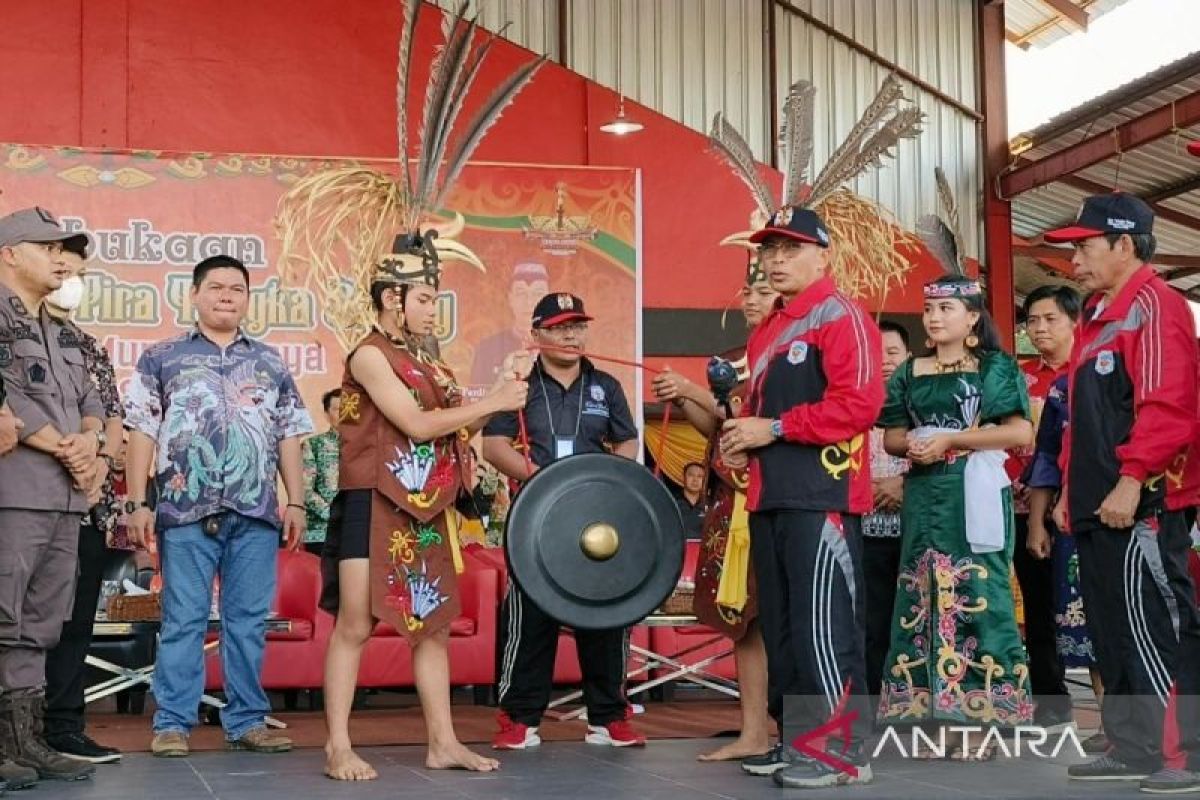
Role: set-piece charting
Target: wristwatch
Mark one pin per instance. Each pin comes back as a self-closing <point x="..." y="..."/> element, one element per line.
<point x="777" y="428"/>
<point x="133" y="505"/>
<point x="101" y="438"/>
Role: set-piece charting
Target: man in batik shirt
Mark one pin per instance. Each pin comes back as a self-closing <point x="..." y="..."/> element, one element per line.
<point x="224" y="415"/>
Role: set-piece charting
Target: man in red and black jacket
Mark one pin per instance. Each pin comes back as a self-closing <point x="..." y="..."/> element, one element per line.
<point x="814" y="393"/>
<point x="1131" y="485"/>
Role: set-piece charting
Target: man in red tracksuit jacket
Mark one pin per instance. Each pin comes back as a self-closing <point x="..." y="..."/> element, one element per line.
<point x="1131" y="468"/>
<point x="814" y="393"/>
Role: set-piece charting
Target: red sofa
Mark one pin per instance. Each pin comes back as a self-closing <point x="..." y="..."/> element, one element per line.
<point x="295" y="659"/>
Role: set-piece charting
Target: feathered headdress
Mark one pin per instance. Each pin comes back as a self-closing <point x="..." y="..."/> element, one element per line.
<point x="941" y="235"/>
<point x="338" y="225"/>
<point x="865" y="255"/>
<point x="940" y="232"/>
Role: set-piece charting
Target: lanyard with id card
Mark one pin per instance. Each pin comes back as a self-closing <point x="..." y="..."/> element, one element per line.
<point x="564" y="446"/>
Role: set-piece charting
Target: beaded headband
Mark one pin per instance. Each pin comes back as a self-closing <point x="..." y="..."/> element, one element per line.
<point x="935" y="291"/>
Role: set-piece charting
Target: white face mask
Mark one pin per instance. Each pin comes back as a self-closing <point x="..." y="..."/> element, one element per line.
<point x="68" y="296"/>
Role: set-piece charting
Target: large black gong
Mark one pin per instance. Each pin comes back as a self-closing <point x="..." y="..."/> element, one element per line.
<point x="596" y="541"/>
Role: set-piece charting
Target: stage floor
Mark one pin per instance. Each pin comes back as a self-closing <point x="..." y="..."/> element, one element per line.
<point x="664" y="770"/>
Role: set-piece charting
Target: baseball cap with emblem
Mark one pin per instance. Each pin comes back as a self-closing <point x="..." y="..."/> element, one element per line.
<point x="1103" y="214"/>
<point x="793" y="222"/>
<point x="39" y="226"/>
<point x="557" y="308"/>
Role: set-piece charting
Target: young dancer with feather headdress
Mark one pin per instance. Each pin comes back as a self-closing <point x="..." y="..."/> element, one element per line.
<point x="811" y="396"/>
<point x="392" y="549"/>
<point x="956" y="656"/>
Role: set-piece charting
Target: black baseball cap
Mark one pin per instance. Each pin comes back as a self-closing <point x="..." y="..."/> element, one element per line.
<point x="1103" y="214"/>
<point x="801" y="224"/>
<point x="557" y="308"/>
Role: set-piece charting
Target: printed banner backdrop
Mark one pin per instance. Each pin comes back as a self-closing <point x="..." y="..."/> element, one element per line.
<point x="154" y="215"/>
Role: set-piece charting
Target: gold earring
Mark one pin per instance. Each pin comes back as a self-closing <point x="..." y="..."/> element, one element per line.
<point x="972" y="341"/>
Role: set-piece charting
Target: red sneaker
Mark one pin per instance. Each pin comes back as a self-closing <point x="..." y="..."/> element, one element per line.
<point x="514" y="735"/>
<point x="618" y="733"/>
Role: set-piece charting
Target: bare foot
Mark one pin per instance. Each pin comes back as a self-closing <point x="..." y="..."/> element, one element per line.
<point x="345" y="765"/>
<point x="737" y="749"/>
<point x="457" y="756"/>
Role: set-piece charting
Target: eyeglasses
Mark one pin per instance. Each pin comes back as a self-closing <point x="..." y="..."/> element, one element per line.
<point x="783" y="248"/>
<point x="563" y="330"/>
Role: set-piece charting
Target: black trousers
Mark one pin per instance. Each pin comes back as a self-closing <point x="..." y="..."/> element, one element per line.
<point x="811" y="607"/>
<point x="528" y="645"/>
<point x="1144" y="625"/>
<point x="65" y="669"/>
<point x="881" y="568"/>
<point x="1036" y="577"/>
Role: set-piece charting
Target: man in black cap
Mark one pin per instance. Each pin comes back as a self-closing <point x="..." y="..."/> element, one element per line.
<point x="573" y="408"/>
<point x="42" y="484"/>
<point x="814" y="394"/>
<point x="1130" y="488"/>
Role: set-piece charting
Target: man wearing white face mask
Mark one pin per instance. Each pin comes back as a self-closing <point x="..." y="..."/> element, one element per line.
<point x="65" y="668"/>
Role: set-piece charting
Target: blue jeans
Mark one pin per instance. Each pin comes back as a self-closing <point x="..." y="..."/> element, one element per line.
<point x="243" y="553"/>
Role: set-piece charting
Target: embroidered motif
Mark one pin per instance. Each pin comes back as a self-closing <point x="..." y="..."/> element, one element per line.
<point x="598" y="393"/>
<point x="1105" y="362"/>
<point x="351" y="408"/>
<point x="798" y="352"/>
<point x="402" y="547"/>
<point x="845" y="456"/>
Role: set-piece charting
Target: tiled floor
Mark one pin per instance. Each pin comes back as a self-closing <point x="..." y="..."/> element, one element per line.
<point x="571" y="771"/>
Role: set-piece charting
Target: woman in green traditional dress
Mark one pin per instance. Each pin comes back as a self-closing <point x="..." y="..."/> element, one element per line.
<point x="956" y="657"/>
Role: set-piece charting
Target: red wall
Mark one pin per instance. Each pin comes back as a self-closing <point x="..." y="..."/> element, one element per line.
<point x="318" y="78"/>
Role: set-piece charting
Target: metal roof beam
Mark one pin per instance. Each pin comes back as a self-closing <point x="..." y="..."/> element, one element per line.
<point x="1069" y="13"/>
<point x="1174" y="190"/>
<point x="1188" y="265"/>
<point x="1130" y="135"/>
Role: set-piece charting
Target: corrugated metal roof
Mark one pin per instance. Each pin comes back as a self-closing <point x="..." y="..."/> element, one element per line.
<point x="1148" y="170"/>
<point x="1033" y="23"/>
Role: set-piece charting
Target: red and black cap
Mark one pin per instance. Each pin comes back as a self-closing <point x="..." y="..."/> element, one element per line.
<point x="558" y="308"/>
<point x="801" y="224"/>
<point x="1103" y="214"/>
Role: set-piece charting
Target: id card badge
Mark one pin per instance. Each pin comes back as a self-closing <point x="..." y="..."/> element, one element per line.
<point x="564" y="446"/>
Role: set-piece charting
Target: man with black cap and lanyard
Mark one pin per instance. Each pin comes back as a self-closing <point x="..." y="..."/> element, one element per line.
<point x="1131" y="483"/>
<point x="43" y="484"/>
<point x="573" y="408"/>
<point x="814" y="395"/>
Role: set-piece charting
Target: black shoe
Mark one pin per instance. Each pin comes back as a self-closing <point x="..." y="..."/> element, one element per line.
<point x="770" y="762"/>
<point x="82" y="747"/>
<point x="1105" y="768"/>
<point x="809" y="773"/>
<point x="1171" y="781"/>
